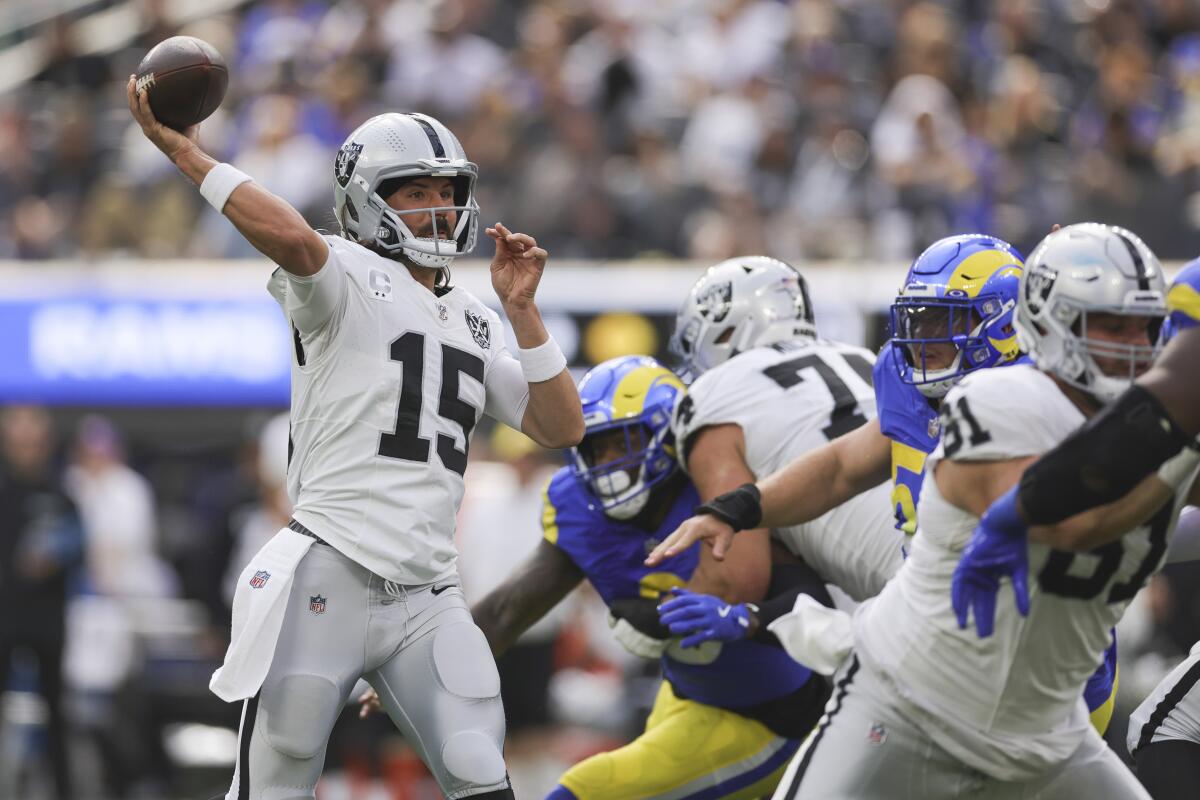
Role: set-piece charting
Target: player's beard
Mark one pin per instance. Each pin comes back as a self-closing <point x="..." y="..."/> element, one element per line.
<point x="443" y="230"/>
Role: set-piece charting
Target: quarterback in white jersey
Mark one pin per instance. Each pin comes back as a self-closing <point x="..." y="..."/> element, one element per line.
<point x="393" y="368"/>
<point x="947" y="713"/>
<point x="770" y="391"/>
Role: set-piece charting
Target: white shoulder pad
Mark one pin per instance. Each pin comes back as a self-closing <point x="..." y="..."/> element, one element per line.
<point x="718" y="397"/>
<point x="1005" y="413"/>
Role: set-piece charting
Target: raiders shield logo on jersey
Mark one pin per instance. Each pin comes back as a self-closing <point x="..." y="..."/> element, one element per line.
<point x="343" y="164"/>
<point x="715" y="301"/>
<point x="479" y="328"/>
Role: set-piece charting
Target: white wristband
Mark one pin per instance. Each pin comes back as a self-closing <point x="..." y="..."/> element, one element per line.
<point x="220" y="182"/>
<point x="1176" y="470"/>
<point x="543" y="362"/>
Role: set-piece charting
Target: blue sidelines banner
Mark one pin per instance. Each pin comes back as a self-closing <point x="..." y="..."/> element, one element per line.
<point x="75" y="350"/>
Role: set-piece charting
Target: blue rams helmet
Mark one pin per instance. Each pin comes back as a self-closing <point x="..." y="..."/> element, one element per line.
<point x="1183" y="301"/>
<point x="627" y="448"/>
<point x="962" y="291"/>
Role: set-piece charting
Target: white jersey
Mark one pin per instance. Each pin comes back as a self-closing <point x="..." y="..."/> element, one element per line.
<point x="388" y="382"/>
<point x="1010" y="705"/>
<point x="788" y="399"/>
<point x="1172" y="711"/>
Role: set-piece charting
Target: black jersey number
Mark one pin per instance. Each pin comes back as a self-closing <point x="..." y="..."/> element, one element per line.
<point x="952" y="437"/>
<point x="407" y="443"/>
<point x="1054" y="577"/>
<point x="846" y="415"/>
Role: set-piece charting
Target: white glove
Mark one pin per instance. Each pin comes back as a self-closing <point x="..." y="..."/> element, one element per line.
<point x="818" y="637"/>
<point x="634" y="640"/>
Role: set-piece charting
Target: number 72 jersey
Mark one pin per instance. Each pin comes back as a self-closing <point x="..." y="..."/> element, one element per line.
<point x="788" y="399"/>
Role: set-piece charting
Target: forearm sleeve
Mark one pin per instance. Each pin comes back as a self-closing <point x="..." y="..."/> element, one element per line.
<point x="788" y="581"/>
<point x="1102" y="461"/>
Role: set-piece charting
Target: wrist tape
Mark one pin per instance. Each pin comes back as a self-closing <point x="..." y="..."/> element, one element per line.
<point x="740" y="509"/>
<point x="543" y="362"/>
<point x="219" y="183"/>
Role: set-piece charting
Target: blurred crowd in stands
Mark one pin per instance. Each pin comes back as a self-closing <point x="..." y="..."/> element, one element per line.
<point x="621" y="128"/>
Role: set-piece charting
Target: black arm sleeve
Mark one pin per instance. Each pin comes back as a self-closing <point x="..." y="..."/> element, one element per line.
<point x="642" y="614"/>
<point x="788" y="581"/>
<point x="1102" y="461"/>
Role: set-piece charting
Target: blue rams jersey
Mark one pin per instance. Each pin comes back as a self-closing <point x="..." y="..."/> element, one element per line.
<point x="611" y="553"/>
<point x="907" y="418"/>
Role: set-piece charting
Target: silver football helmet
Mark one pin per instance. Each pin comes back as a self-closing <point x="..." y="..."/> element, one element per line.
<point x="1086" y="269"/>
<point x="379" y="154"/>
<point x="739" y="304"/>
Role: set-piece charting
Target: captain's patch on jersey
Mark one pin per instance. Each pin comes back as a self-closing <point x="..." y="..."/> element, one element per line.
<point x="381" y="285"/>
<point x="480" y="330"/>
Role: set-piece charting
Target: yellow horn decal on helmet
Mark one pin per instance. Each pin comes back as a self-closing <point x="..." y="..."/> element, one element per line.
<point x="629" y="399"/>
<point x="1007" y="348"/>
<point x="975" y="270"/>
<point x="1184" y="299"/>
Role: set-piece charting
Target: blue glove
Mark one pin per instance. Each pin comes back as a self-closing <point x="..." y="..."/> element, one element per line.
<point x="998" y="548"/>
<point x="705" y="617"/>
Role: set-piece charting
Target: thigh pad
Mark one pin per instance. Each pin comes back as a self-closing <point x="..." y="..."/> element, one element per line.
<point x="464" y="662"/>
<point x="300" y="712"/>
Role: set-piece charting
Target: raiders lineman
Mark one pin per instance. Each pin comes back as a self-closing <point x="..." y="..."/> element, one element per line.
<point x="926" y="709"/>
<point x="768" y="391"/>
<point x="393" y="368"/>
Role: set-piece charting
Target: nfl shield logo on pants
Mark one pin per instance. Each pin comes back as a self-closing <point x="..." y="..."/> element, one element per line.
<point x="260" y="579"/>
<point x="316" y="604"/>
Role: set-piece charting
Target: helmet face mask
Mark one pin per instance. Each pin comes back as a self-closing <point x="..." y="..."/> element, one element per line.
<point x="627" y="448"/>
<point x="954" y="312"/>
<point x="615" y="460"/>
<point x="1079" y="284"/>
<point x="737" y="305"/>
<point x="375" y="159"/>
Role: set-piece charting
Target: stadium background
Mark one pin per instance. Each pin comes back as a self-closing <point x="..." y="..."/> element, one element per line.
<point x="640" y="142"/>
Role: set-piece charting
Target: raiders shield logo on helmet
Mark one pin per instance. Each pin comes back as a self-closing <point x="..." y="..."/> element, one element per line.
<point x="343" y="164"/>
<point x="716" y="300"/>
<point x="479" y="328"/>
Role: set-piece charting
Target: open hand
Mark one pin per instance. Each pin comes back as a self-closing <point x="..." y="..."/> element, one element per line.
<point x="170" y="141"/>
<point x="704" y="527"/>
<point x="516" y="267"/>
<point x="988" y="557"/>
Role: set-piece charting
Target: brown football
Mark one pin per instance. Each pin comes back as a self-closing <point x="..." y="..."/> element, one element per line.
<point x="185" y="78"/>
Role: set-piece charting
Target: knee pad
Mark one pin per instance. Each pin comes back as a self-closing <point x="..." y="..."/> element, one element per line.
<point x="472" y="757"/>
<point x="463" y="662"/>
<point x="300" y="712"/>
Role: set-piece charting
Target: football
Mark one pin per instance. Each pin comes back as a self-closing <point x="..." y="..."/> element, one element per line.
<point x="185" y="78"/>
